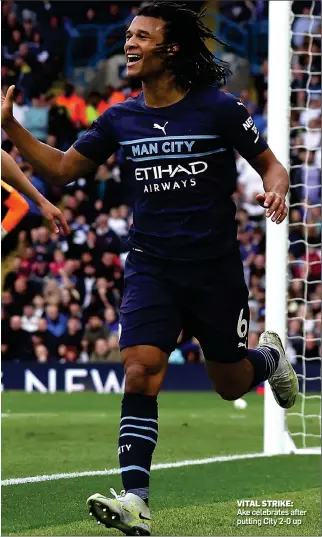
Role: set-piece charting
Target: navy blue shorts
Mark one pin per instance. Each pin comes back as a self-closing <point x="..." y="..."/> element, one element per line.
<point x="209" y="298"/>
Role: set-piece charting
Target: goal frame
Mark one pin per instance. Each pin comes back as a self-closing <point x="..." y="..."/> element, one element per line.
<point x="276" y="437"/>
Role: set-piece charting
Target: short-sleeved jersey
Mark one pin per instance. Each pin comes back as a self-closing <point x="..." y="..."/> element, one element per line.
<point x="182" y="161"/>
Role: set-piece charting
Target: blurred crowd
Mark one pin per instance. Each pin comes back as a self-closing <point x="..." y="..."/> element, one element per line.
<point x="244" y="11"/>
<point x="61" y="296"/>
<point x="305" y="290"/>
<point x="304" y="256"/>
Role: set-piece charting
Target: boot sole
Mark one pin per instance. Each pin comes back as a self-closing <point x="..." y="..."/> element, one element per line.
<point x="104" y="515"/>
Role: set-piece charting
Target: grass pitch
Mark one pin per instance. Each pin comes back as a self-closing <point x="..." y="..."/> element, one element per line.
<point x="62" y="433"/>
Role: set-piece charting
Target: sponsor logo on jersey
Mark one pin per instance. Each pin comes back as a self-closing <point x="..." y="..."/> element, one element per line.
<point x="161" y="172"/>
<point x="249" y="124"/>
<point x="184" y="176"/>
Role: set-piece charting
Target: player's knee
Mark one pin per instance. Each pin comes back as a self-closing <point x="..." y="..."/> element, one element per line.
<point x="230" y="396"/>
<point x="140" y="371"/>
<point x="229" y="393"/>
<point x="136" y="378"/>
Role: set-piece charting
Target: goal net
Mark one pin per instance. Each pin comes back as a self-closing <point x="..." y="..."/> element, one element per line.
<point x="304" y="253"/>
<point x="294" y="133"/>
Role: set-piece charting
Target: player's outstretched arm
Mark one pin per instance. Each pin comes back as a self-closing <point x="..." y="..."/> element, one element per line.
<point x="56" y="166"/>
<point x="11" y="173"/>
<point x="276" y="185"/>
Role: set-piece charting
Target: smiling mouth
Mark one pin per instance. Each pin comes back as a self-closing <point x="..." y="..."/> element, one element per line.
<point x="133" y="59"/>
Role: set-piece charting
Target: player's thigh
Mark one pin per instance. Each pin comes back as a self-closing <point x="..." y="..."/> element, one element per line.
<point x="222" y="313"/>
<point x="150" y="315"/>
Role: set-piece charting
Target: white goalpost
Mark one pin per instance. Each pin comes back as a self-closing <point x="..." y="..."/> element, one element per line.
<point x="279" y="438"/>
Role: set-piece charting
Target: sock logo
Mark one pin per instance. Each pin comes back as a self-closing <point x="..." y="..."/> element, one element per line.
<point x="121" y="449"/>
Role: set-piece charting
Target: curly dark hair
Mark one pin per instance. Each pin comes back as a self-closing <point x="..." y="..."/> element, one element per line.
<point x="193" y="64"/>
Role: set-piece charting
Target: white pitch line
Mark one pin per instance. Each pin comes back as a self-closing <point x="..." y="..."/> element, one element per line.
<point x="23" y="415"/>
<point x="114" y="471"/>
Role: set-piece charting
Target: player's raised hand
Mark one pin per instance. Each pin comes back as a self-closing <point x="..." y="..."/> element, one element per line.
<point x="274" y="204"/>
<point x="6" y="105"/>
<point x="52" y="215"/>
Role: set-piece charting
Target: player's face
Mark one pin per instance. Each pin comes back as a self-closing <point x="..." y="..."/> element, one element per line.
<point x="142" y="39"/>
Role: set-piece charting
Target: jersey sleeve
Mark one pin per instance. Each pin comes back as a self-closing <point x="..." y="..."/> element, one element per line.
<point x="99" y="142"/>
<point x="238" y="128"/>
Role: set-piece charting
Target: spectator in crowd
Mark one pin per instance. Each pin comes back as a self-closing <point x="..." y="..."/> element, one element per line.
<point x="19" y="341"/>
<point x="56" y="321"/>
<point x="56" y="41"/>
<point x="94" y="330"/>
<point x="28" y="30"/>
<point x="43" y="336"/>
<point x="61" y="130"/>
<point x="106" y="350"/>
<point x="104" y="103"/>
<point x="40" y="273"/>
<point x="75" y="105"/>
<point x="110" y="319"/>
<point x="303" y="25"/>
<point x="36" y="118"/>
<point x="92" y="105"/>
<point x="7" y="303"/>
<point x="117" y="223"/>
<point x="101" y="351"/>
<point x="29" y="319"/>
<point x="11" y="49"/>
<point x="88" y="283"/>
<point x="29" y="71"/>
<point x="22" y="294"/>
<point x="58" y="263"/>
<point x="250" y="185"/>
<point x="39" y="305"/>
<point x="19" y="107"/>
<point x="41" y="353"/>
<point x="13" y="274"/>
<point x="241" y="11"/>
<point x="42" y="242"/>
<point x="106" y="237"/>
<point x="70" y="344"/>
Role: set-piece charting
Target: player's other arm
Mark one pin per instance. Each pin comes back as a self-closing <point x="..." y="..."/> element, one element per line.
<point x="11" y="173"/>
<point x="56" y="166"/>
<point x="17" y="209"/>
<point x="240" y="130"/>
<point x="276" y="185"/>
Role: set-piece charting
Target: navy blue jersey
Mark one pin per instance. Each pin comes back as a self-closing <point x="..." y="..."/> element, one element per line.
<point x="182" y="162"/>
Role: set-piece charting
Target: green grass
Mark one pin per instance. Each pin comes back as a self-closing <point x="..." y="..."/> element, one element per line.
<point x="54" y="433"/>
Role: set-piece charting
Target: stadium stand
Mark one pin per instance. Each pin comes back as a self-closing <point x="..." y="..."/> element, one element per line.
<point x="61" y="296"/>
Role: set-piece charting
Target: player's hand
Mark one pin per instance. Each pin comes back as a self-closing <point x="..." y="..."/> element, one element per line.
<point x="7" y="105"/>
<point x="274" y="204"/>
<point x="52" y="215"/>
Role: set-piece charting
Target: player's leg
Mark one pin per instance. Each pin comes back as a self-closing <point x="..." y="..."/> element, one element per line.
<point x="222" y="326"/>
<point x="145" y="367"/>
<point x="149" y="327"/>
<point x="267" y="362"/>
